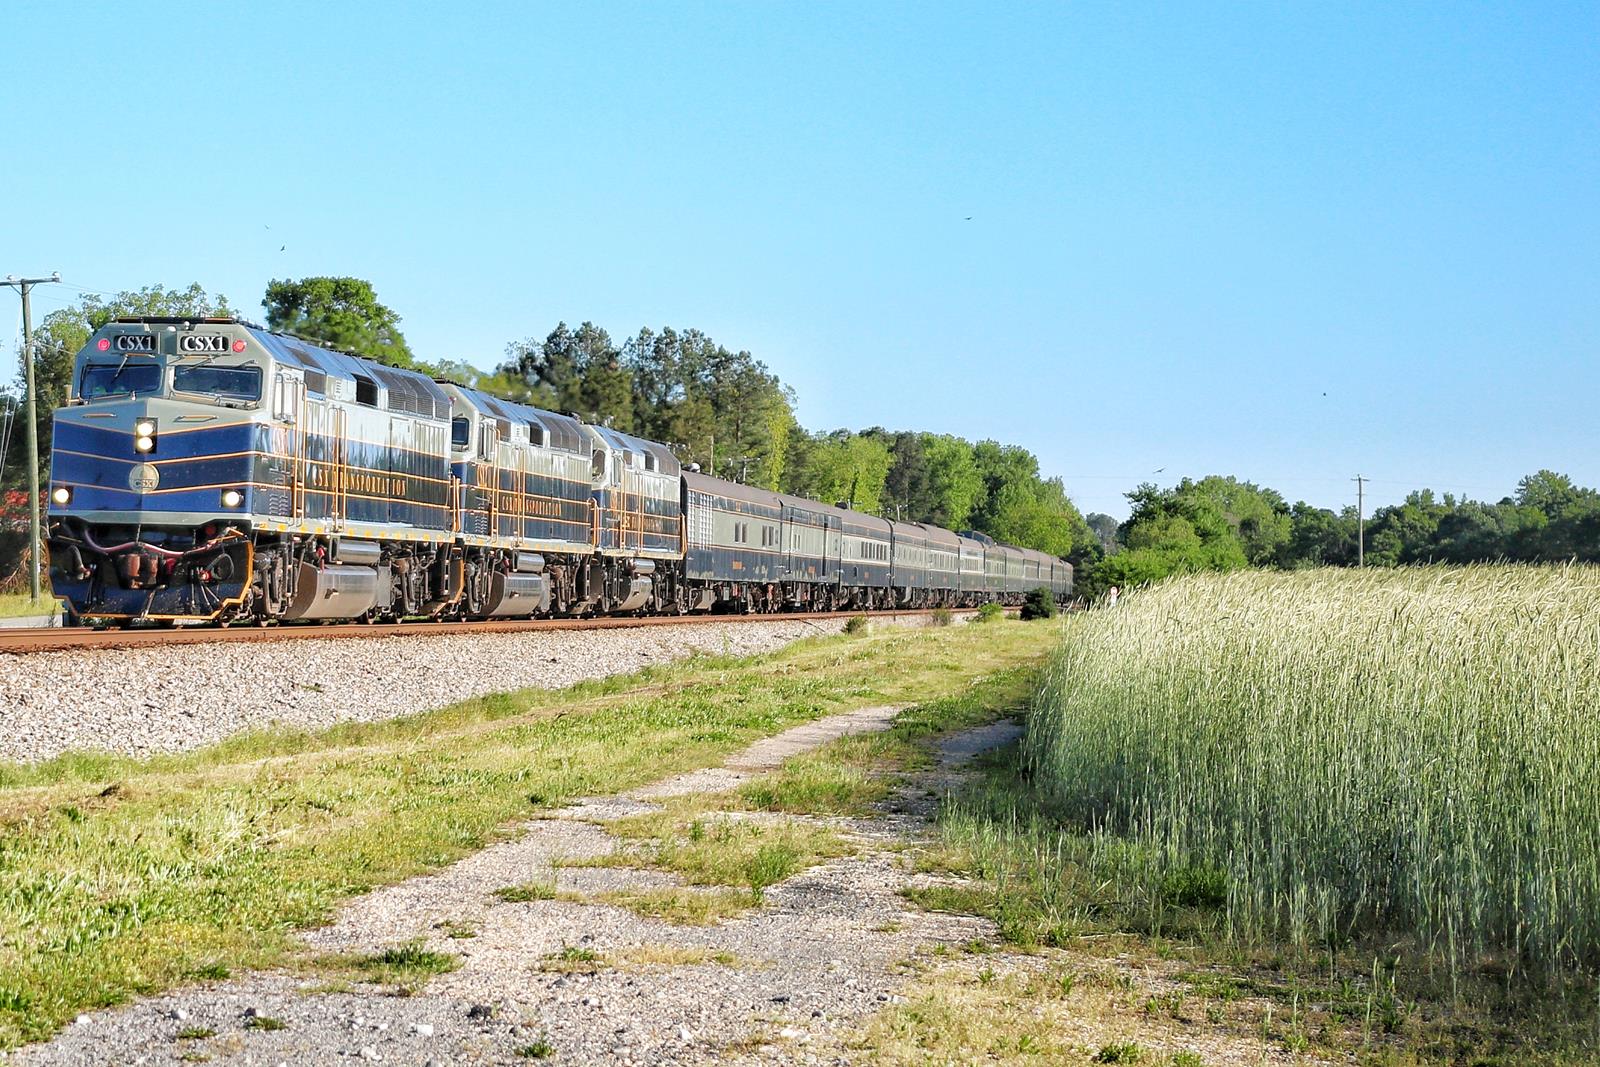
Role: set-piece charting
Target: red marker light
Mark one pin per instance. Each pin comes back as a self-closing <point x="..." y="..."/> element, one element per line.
<point x="238" y="346"/>
<point x="104" y="344"/>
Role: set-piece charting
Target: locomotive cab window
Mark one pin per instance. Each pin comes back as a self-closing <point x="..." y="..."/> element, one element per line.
<point x="460" y="431"/>
<point x="535" y="434"/>
<point x="124" y="378"/>
<point x="597" y="464"/>
<point x="240" y="383"/>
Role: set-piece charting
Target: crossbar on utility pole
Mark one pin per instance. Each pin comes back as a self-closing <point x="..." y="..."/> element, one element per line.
<point x="1361" y="521"/>
<point x="24" y="286"/>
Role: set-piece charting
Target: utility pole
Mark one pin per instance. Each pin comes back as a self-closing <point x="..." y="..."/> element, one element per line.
<point x="1361" y="521"/>
<point x="24" y="286"/>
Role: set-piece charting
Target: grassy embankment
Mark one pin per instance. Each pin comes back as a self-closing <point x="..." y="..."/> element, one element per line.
<point x="1355" y="813"/>
<point x="122" y="876"/>
<point x="13" y="605"/>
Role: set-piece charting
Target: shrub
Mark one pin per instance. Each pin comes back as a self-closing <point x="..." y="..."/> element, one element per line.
<point x="856" y="624"/>
<point x="1040" y="604"/>
<point x="989" y="612"/>
<point x="941" y="616"/>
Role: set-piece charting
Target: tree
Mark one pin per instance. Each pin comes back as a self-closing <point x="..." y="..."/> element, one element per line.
<point x="342" y="313"/>
<point x="842" y="467"/>
<point x="1405" y="533"/>
<point x="1104" y="528"/>
<point x="954" y="482"/>
<point x="1319" y="537"/>
<point x="908" y="488"/>
<point x="1549" y="492"/>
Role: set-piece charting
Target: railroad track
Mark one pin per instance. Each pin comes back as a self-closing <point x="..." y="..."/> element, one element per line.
<point x="58" y="638"/>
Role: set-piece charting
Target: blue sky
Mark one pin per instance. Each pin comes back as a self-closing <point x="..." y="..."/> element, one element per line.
<point x="1291" y="242"/>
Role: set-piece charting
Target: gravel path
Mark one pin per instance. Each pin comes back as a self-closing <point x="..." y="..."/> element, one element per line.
<point x="146" y="700"/>
<point x="796" y="976"/>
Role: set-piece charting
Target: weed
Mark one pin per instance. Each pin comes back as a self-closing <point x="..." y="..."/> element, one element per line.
<point x="684" y="906"/>
<point x="772" y="863"/>
<point x="195" y="1033"/>
<point x="857" y="624"/>
<point x="264" y="1022"/>
<point x="521" y="894"/>
<point x="658" y="955"/>
<point x="541" y="1049"/>
<point x="1119" y="1052"/>
<point x="990" y="612"/>
<point x="941" y="617"/>
<point x="573" y="959"/>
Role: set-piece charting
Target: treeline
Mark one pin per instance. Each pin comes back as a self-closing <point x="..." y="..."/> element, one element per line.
<point x="727" y="412"/>
<point x="720" y="408"/>
<point x="1219" y="523"/>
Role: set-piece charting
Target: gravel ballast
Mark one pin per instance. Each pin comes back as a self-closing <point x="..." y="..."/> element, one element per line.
<point x="148" y="700"/>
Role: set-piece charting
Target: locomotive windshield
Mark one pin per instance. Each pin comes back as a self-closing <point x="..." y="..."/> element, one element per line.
<point x="120" y="378"/>
<point x="225" y="383"/>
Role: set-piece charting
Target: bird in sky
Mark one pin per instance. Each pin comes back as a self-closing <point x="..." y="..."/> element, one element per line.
<point x="282" y="247"/>
<point x="969" y="218"/>
<point x="1158" y="470"/>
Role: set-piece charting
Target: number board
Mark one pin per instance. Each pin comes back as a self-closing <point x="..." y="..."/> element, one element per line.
<point x="135" y="342"/>
<point x="207" y="343"/>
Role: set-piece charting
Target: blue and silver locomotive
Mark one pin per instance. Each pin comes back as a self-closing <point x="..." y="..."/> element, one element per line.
<point x="209" y="470"/>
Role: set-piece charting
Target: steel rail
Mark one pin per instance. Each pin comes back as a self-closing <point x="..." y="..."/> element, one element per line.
<point x="22" y="641"/>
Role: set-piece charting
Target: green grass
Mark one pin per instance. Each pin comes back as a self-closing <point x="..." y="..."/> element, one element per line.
<point x="690" y="838"/>
<point x="1216" y="733"/>
<point x="682" y="906"/>
<point x="699" y="838"/>
<point x="121" y="876"/>
<point x="521" y="894"/>
<point x="1341" y="755"/>
<point x="13" y="605"/>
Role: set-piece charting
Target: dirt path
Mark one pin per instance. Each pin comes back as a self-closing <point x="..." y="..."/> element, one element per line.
<point x="787" y="981"/>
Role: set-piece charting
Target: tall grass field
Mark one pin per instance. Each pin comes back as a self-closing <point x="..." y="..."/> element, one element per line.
<point x="1411" y="755"/>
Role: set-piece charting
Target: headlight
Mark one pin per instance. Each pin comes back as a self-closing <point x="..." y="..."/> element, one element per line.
<point x="232" y="498"/>
<point x="144" y="435"/>
<point x="61" y="495"/>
